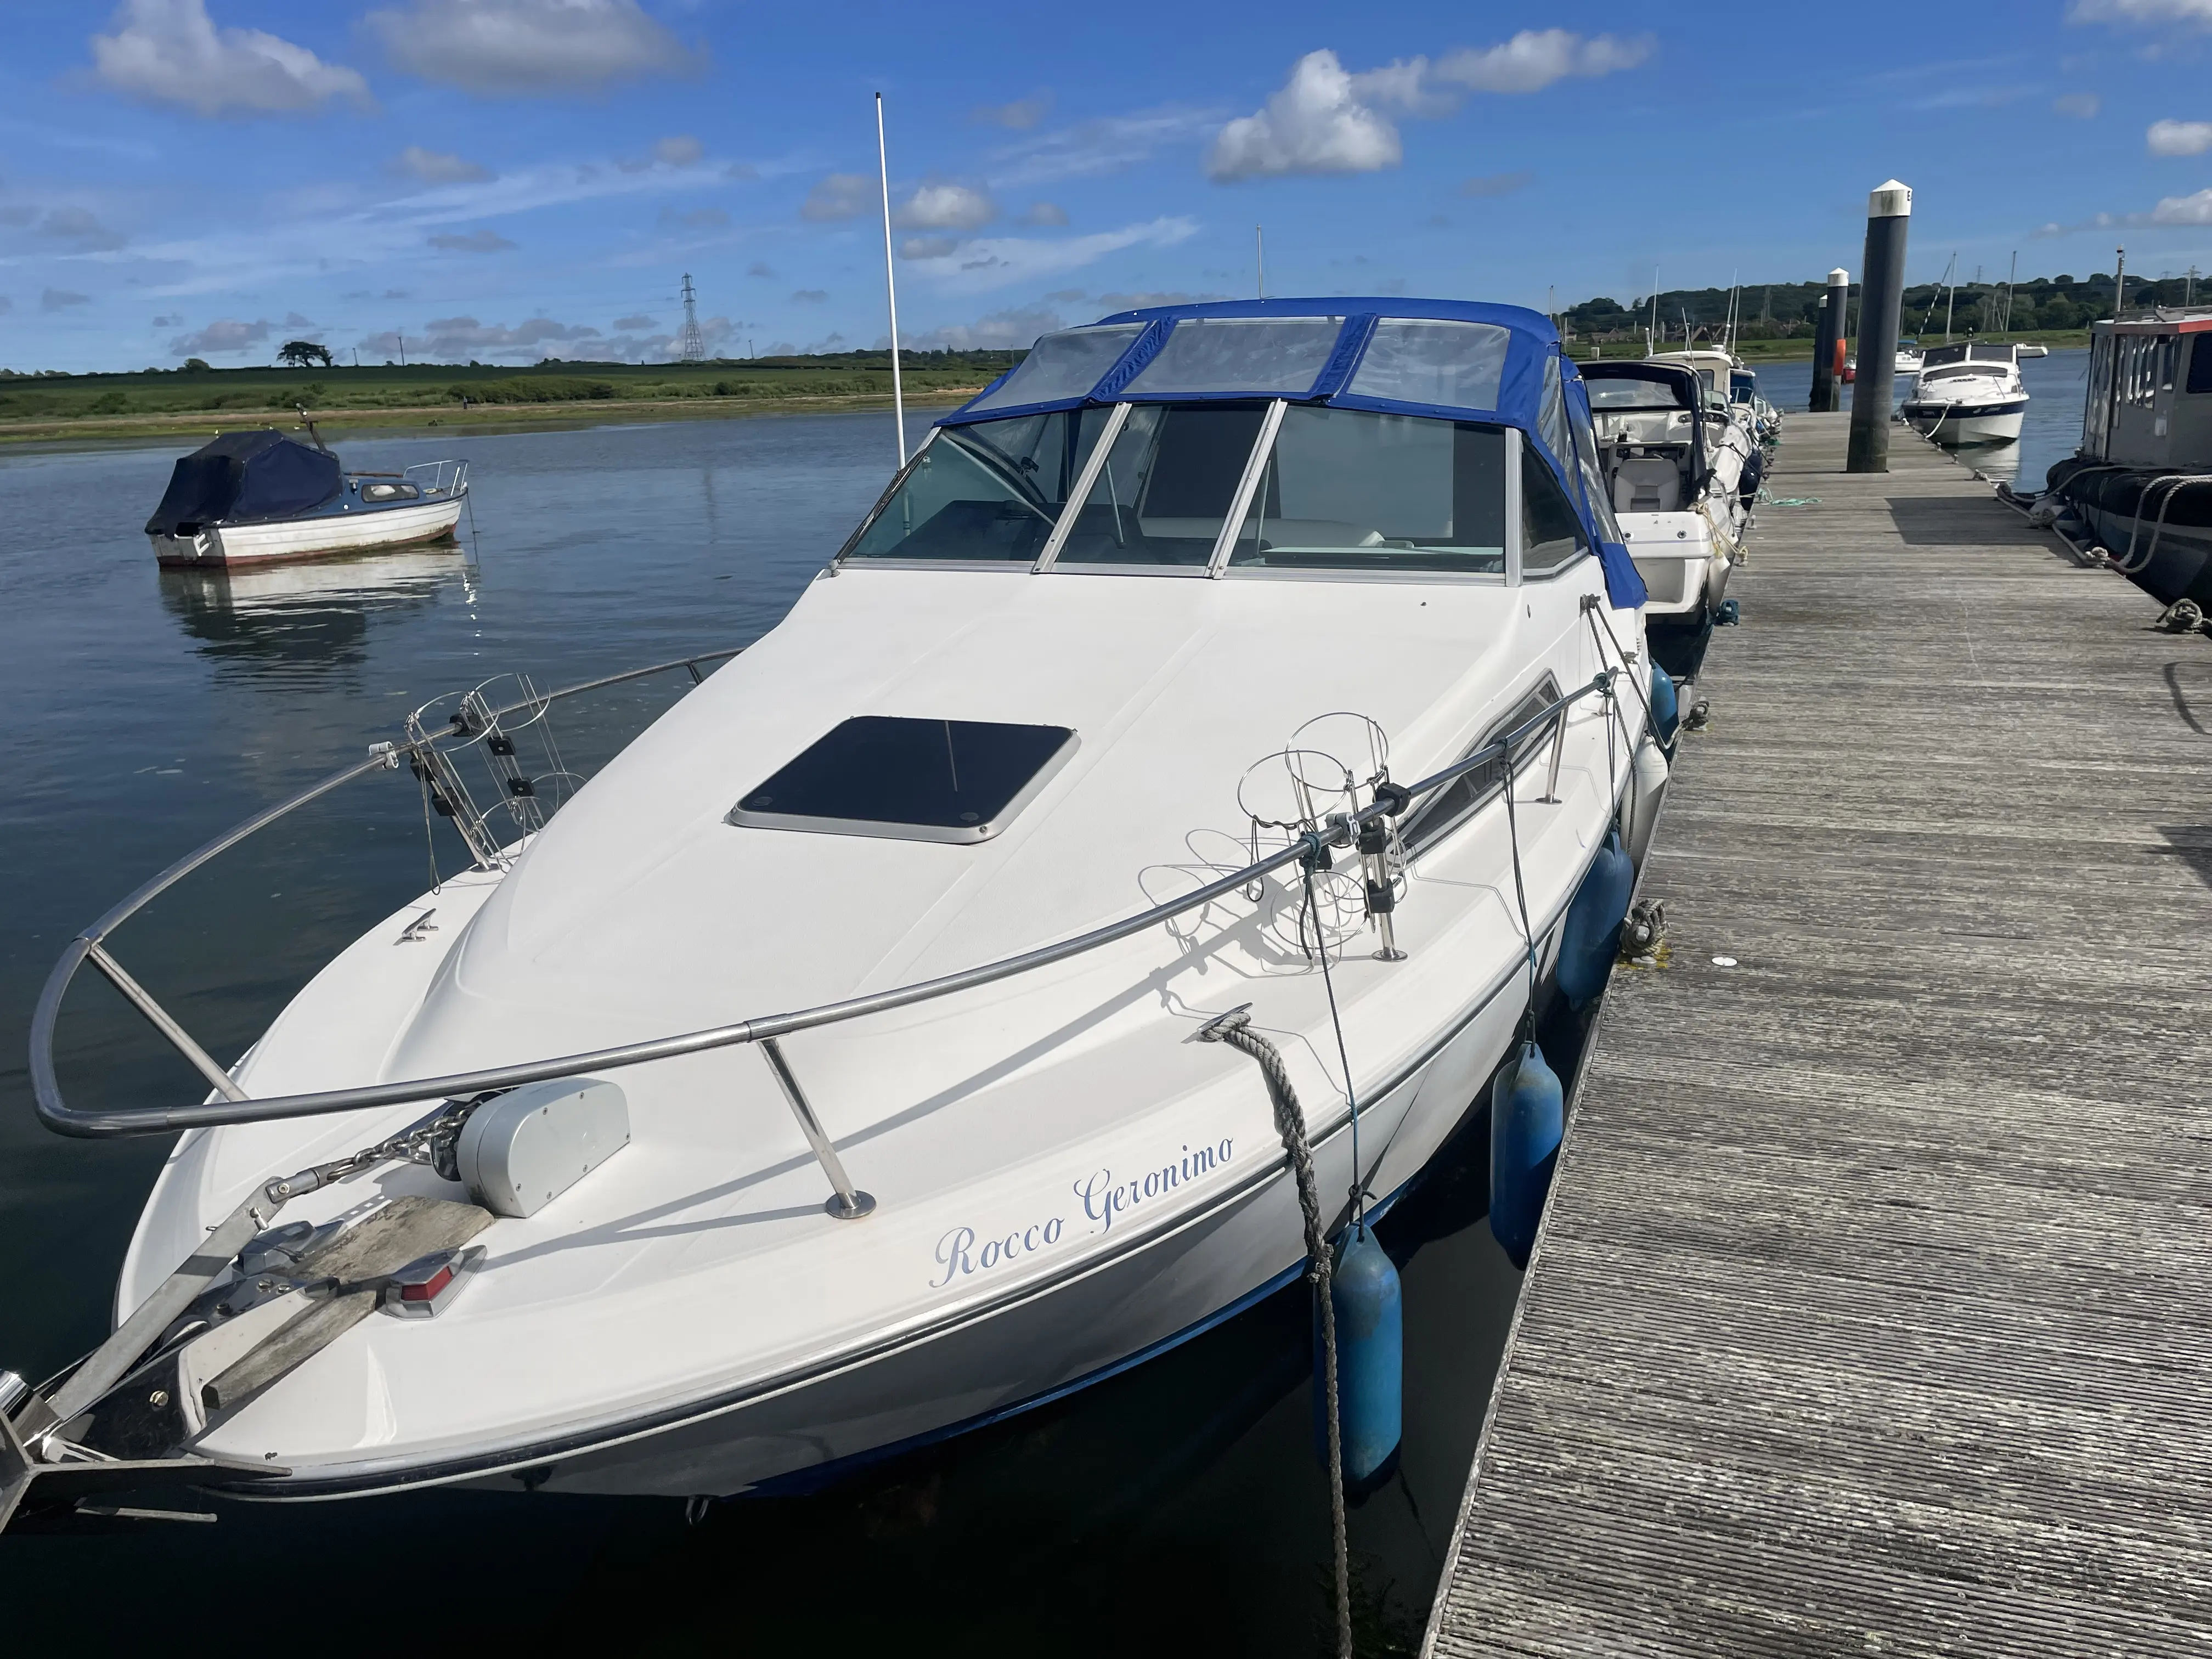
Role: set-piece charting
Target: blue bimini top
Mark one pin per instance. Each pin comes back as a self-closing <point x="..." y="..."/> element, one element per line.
<point x="1454" y="359"/>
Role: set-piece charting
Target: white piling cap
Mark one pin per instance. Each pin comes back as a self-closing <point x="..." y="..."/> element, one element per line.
<point x="1839" y="278"/>
<point x="1890" y="201"/>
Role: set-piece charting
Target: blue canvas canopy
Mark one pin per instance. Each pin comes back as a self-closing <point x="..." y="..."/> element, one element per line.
<point x="245" y="478"/>
<point x="1457" y="360"/>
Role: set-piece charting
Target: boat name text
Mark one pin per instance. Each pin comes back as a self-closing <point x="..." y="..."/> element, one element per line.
<point x="1104" y="1198"/>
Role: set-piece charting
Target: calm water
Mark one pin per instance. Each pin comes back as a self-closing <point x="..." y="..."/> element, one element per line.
<point x="1177" y="1508"/>
<point x="2056" y="386"/>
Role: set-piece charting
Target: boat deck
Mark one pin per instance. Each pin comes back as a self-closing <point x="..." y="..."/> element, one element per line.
<point x="1873" y="1312"/>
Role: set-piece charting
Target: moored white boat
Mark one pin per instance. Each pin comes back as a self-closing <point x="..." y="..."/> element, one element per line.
<point x="1090" y="657"/>
<point x="1967" y="394"/>
<point x="1682" y="470"/>
<point x="263" y="497"/>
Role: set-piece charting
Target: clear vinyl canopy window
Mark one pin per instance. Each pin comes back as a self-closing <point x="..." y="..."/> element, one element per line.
<point x="1450" y="365"/>
<point x="1263" y="356"/>
<point x="1064" y="365"/>
<point x="909" y="780"/>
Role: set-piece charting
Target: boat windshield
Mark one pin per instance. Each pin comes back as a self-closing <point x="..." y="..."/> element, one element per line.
<point x="1167" y="485"/>
<point x="1624" y="391"/>
<point x="1346" y="490"/>
<point x="990" y="491"/>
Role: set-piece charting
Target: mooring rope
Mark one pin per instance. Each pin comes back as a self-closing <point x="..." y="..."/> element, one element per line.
<point x="1235" y="1028"/>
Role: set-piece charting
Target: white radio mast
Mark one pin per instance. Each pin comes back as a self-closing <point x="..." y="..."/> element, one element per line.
<point x="890" y="281"/>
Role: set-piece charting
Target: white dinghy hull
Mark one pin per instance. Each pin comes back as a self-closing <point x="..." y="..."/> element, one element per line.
<point x="366" y="531"/>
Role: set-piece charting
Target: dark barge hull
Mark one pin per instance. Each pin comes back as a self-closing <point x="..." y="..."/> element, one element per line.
<point x="2171" y="560"/>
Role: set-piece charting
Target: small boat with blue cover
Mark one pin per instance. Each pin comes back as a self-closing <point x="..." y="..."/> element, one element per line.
<point x="1227" y="684"/>
<point x="262" y="497"/>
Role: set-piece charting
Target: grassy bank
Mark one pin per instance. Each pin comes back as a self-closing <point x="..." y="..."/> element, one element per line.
<point x="191" y="401"/>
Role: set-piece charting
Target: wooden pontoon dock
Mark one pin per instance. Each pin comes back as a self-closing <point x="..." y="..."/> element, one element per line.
<point x="1873" y="1311"/>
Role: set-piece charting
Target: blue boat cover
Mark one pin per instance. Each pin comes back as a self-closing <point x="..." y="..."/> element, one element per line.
<point x="1456" y="359"/>
<point x="246" y="477"/>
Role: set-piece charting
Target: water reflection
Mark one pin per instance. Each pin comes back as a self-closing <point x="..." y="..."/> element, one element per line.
<point x="311" y="615"/>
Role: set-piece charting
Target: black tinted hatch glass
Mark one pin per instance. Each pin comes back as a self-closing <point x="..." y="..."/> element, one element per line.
<point x="921" y="780"/>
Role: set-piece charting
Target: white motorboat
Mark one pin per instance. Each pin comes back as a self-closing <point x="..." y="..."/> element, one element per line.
<point x="1037" y="785"/>
<point x="1968" y="393"/>
<point x="1682" y="472"/>
<point x="1909" y="359"/>
<point x="264" y="497"/>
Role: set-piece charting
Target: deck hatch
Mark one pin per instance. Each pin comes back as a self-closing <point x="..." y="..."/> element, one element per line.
<point x="914" y="779"/>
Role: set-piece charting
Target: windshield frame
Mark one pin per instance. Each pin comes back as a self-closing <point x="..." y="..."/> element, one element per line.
<point x="1216" y="566"/>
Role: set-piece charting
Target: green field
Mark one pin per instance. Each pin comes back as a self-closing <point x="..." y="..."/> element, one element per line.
<point x="188" y="400"/>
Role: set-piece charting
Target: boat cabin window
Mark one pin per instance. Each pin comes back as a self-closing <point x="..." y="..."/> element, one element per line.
<point x="1166" y="486"/>
<point x="991" y="491"/>
<point x="2200" y="364"/>
<point x="1345" y="489"/>
<point x="1064" y="365"/>
<point x="1552" y="534"/>
<point x="1453" y="365"/>
<point x="912" y="779"/>
<point x="1282" y="356"/>
<point x="1465" y="795"/>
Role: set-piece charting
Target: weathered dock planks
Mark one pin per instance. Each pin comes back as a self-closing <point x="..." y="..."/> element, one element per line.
<point x="1873" y="1312"/>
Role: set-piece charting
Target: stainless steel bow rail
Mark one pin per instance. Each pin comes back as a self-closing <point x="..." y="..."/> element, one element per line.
<point x="1340" y="829"/>
<point x="44" y="1471"/>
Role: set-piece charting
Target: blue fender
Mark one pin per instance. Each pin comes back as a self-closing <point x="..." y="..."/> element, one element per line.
<point x="1528" y="1119"/>
<point x="1590" y="938"/>
<point x="1666" y="708"/>
<point x="1371" y="1363"/>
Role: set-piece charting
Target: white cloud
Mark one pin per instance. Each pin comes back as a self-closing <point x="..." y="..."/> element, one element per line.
<point x="525" y="48"/>
<point x="2194" y="210"/>
<point x="434" y="166"/>
<point x="464" y="336"/>
<point x="1107" y="145"/>
<point x="2081" y="106"/>
<point x="77" y="225"/>
<point x="475" y="241"/>
<point x="840" y="196"/>
<point x="1020" y="115"/>
<point x="2179" y="137"/>
<point x="170" y="52"/>
<point x="1110" y="303"/>
<point x="927" y="248"/>
<point x="226" y="337"/>
<point x="760" y="268"/>
<point x="1042" y="215"/>
<point x="632" y="325"/>
<point x="1535" y="58"/>
<point x="699" y="219"/>
<point x="811" y="296"/>
<point x="60" y="299"/>
<point x="940" y="205"/>
<point x="681" y="151"/>
<point x="1315" y="124"/>
<point x="1013" y="329"/>
<point x="1001" y="261"/>
<point x="1329" y="119"/>
<point x="2198" y="12"/>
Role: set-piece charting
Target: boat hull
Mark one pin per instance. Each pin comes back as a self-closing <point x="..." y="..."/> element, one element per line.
<point x="2171" y="560"/>
<point x="319" y="536"/>
<point x="1106" y="1312"/>
<point x="1958" y="427"/>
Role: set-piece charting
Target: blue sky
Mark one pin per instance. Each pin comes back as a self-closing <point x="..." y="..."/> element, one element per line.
<point x="509" y="180"/>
